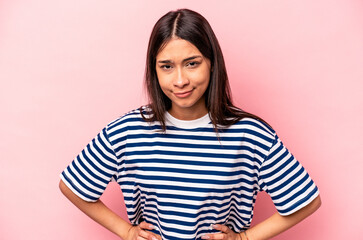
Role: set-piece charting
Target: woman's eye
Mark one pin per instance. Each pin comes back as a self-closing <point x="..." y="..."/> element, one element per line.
<point x="192" y="64"/>
<point x="166" y="67"/>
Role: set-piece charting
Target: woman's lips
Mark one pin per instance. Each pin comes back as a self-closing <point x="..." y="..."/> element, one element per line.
<point x="183" y="94"/>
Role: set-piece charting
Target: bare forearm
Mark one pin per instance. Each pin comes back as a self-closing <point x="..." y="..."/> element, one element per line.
<point x="276" y="224"/>
<point x="98" y="212"/>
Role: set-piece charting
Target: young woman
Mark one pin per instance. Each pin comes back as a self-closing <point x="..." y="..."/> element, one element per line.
<point x="190" y="164"/>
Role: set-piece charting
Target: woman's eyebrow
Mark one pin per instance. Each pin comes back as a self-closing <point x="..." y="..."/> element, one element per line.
<point x="192" y="57"/>
<point x="184" y="60"/>
<point x="165" y="61"/>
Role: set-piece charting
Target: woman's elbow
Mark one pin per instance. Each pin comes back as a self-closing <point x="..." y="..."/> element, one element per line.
<point x="63" y="188"/>
<point x="315" y="204"/>
<point x="61" y="185"/>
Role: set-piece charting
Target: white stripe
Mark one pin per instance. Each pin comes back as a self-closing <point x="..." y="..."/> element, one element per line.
<point x="294" y="191"/>
<point x="186" y="193"/>
<point x="79" y="186"/>
<point x="85" y="172"/>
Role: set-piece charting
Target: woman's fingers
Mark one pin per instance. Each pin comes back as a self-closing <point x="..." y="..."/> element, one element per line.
<point x="225" y="233"/>
<point x="145" y="225"/>
<point x="222" y="228"/>
<point x="146" y="234"/>
<point x="213" y="236"/>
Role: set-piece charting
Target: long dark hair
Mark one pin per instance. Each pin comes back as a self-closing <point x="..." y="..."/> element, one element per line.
<point x="193" y="27"/>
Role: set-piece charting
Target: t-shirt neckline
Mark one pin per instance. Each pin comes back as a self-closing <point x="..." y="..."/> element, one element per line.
<point x="187" y="124"/>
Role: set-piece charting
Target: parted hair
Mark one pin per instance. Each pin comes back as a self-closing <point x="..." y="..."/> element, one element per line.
<point x="193" y="27"/>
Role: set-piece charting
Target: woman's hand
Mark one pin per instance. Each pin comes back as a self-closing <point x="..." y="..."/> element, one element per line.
<point x="139" y="232"/>
<point x="226" y="233"/>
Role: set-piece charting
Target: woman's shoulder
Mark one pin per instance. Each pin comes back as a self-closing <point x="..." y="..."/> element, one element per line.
<point x="255" y="126"/>
<point x="132" y="117"/>
<point x="248" y="120"/>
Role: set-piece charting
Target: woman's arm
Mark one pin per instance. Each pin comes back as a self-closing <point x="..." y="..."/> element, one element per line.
<point x="107" y="218"/>
<point x="276" y="224"/>
<point x="268" y="228"/>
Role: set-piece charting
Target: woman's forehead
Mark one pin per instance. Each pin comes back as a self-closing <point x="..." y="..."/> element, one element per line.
<point x="177" y="48"/>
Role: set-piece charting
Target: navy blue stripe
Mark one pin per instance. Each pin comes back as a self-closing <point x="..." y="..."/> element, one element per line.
<point x="191" y="190"/>
<point x="283" y="174"/>
<point x="68" y="180"/>
<point x="108" y="149"/>
<point x="292" y="178"/>
<point x="269" y="162"/>
<point x="190" y="154"/>
<point x="302" y="201"/>
<point x="210" y="181"/>
<point x="244" y="201"/>
<point x="297" y="185"/>
<point x="130" y="128"/>
<point x="196" y="146"/>
<point x="137" y="214"/>
<point x="241" y="203"/>
<point x="117" y="141"/>
<point x="89" y="171"/>
<point x="126" y="118"/>
<point x="279" y="169"/>
<point x="238" y="140"/>
<point x="106" y="161"/>
<point x="196" y="163"/>
<point x="76" y="179"/>
<point x="79" y="172"/>
<point x="170" y="171"/>
<point x="99" y="171"/>
<point x="301" y="192"/>
<point x="255" y="123"/>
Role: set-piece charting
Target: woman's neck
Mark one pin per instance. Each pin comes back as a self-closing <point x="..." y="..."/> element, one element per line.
<point x="188" y="114"/>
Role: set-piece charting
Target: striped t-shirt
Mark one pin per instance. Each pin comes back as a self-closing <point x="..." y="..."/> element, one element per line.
<point x="187" y="178"/>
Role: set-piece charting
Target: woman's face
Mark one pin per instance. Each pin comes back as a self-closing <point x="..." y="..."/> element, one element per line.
<point x="183" y="74"/>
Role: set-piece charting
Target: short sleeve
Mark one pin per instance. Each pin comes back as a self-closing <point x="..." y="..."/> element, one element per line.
<point x="286" y="180"/>
<point x="90" y="172"/>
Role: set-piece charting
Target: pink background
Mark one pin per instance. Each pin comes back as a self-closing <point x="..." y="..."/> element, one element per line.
<point x="67" y="68"/>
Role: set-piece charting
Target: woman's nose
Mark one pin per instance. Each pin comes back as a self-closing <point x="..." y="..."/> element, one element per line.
<point x="181" y="79"/>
